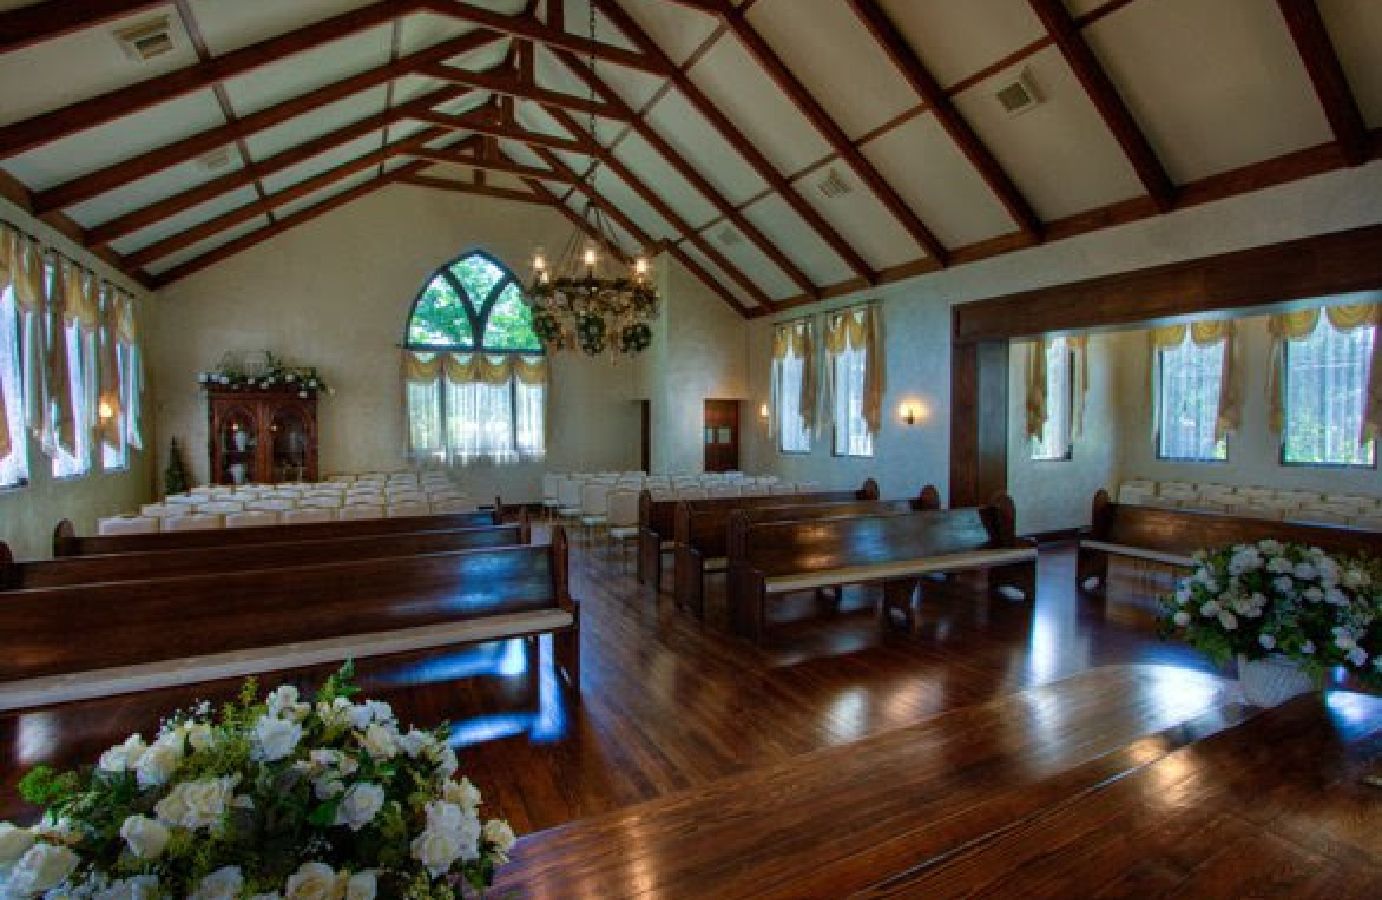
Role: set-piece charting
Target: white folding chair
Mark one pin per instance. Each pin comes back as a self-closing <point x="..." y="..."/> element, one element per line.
<point x="594" y="506"/>
<point x="251" y="518"/>
<point x="320" y="502"/>
<point x="127" y="525"/>
<point x="569" y="498"/>
<point x="450" y="505"/>
<point x="356" y="512"/>
<point x="412" y="508"/>
<point x="161" y="510"/>
<point x="622" y="519"/>
<point x="723" y="490"/>
<point x="308" y="515"/>
<point x="220" y="507"/>
<point x="192" y="522"/>
<point x="341" y="479"/>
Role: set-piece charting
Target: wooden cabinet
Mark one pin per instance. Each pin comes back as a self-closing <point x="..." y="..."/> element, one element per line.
<point x="263" y="436"/>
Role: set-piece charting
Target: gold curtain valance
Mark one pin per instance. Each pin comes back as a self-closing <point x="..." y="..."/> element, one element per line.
<point x="849" y="328"/>
<point x="1202" y="334"/>
<point x="793" y="337"/>
<point x="29" y="280"/>
<point x="9" y="254"/>
<point x="83" y="297"/>
<point x="530" y="370"/>
<point x="1299" y="325"/>
<point x="126" y="323"/>
<point x="473" y="368"/>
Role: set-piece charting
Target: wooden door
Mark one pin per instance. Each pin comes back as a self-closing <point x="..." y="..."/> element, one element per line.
<point x="645" y="435"/>
<point x="721" y="435"/>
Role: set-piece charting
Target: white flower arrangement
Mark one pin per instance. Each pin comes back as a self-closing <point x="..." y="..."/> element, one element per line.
<point x="1276" y="599"/>
<point x="273" y="799"/>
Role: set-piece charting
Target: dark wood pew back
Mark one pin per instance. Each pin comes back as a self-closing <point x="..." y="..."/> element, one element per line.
<point x="66" y="542"/>
<point x="1180" y="532"/>
<point x="79" y="628"/>
<point x="657" y="519"/>
<point x="765" y="550"/>
<point x="143" y="564"/>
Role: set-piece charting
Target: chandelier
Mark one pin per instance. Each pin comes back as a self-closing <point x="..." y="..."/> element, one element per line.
<point x="591" y="299"/>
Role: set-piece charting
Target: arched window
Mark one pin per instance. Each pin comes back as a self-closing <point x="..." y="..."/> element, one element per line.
<point x="475" y="374"/>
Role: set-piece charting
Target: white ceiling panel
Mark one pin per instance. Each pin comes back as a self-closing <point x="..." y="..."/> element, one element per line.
<point x="623" y="197"/>
<point x="1355" y="27"/>
<point x="481" y="58"/>
<point x="717" y="274"/>
<point x="316" y="123"/>
<point x="679" y="31"/>
<point x="229" y="25"/>
<point x="186" y="219"/>
<point x="697" y="141"/>
<point x="465" y="103"/>
<point x="189" y="253"/>
<point x="745" y="255"/>
<point x="413" y="86"/>
<point x="522" y="153"/>
<point x="418" y="32"/>
<point x="303" y="72"/>
<point x="139" y="194"/>
<point x="1214" y="85"/>
<point x="625" y="241"/>
<point x="648" y="165"/>
<point x="738" y="86"/>
<point x="318" y="164"/>
<point x="536" y="119"/>
<point x="633" y="87"/>
<point x="956" y="40"/>
<point x="1060" y="154"/>
<point x="926" y="167"/>
<point x="407" y="128"/>
<point x="834" y="56"/>
<point x="863" y="220"/>
<point x="578" y="22"/>
<point x="91" y="62"/>
<point x="325" y="193"/>
<point x="802" y="244"/>
<point x="96" y="148"/>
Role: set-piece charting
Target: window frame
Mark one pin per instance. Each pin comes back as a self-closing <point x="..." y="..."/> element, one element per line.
<point x="1161" y="405"/>
<point x="1286" y="415"/>
<point x="1069" y="453"/>
<point x="20" y="437"/>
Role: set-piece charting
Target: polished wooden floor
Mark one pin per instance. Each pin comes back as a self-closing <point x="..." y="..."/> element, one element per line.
<point x="671" y="703"/>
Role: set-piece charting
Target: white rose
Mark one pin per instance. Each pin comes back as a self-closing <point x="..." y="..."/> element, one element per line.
<point x="328" y="786"/>
<point x="14" y="842"/>
<point x="381" y="711"/>
<point x="42" y="868"/>
<point x="444" y="816"/>
<point x="122" y="757"/>
<point x="462" y="793"/>
<point x="199" y="735"/>
<point x="223" y="884"/>
<point x="379" y="742"/>
<point x="146" y="837"/>
<point x="360" y="717"/>
<point x="1228" y="620"/>
<point x="157" y="764"/>
<point x="362" y="886"/>
<point x="197" y="804"/>
<point x="414" y="742"/>
<point x="498" y="833"/>
<point x="447" y="763"/>
<point x="312" y="881"/>
<point x="276" y="738"/>
<point x="437" y="849"/>
<point x="140" y="887"/>
<point x="360" y="805"/>
<point x="1267" y="641"/>
<point x="1181" y="618"/>
<point x="335" y="713"/>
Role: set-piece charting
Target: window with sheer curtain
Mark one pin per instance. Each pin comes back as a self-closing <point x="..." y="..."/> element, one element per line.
<point x="1055" y="441"/>
<point x="1326" y="377"/>
<point x="477" y="389"/>
<point x="81" y="381"/>
<point x="14" y="465"/>
<point x="1191" y="378"/>
<point x="793" y="435"/>
<point x="852" y="435"/>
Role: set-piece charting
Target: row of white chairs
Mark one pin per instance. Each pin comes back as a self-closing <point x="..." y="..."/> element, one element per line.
<point x="1257" y="502"/>
<point x="206" y="521"/>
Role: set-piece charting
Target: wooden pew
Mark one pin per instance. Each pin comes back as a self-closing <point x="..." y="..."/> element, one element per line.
<point x="144" y="564"/>
<point x="1170" y="536"/>
<point x="700" y="532"/>
<point x="656" y="522"/>
<point x="80" y="641"/>
<point x="67" y="543"/>
<point x="773" y="558"/>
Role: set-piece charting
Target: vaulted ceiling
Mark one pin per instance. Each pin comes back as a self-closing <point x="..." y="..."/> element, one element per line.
<point x="783" y="150"/>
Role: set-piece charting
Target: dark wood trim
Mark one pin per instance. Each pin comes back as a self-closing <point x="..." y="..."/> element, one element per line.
<point x="448" y="156"/>
<point x="1335" y="263"/>
<point x="736" y="139"/>
<point x="908" y="63"/>
<point x="478" y="190"/>
<point x="512" y="86"/>
<point x="1065" y="31"/>
<point x="1327" y="75"/>
<point x="1054" y="536"/>
<point x="978" y="421"/>
<point x="30" y="25"/>
<point x="484" y="124"/>
<point x="834" y="135"/>
<point x="84" y="187"/>
<point x="45" y="128"/>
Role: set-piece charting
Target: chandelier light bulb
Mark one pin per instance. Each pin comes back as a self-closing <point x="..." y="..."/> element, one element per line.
<point x="539" y="261"/>
<point x="640" y="266"/>
<point x="590" y="257"/>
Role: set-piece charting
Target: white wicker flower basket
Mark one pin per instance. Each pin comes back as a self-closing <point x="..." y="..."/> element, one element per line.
<point x="1273" y="681"/>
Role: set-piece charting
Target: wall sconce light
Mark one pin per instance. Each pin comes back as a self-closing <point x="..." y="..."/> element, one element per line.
<point x="104" y="411"/>
<point x="911" y="413"/>
<point x="763" y="412"/>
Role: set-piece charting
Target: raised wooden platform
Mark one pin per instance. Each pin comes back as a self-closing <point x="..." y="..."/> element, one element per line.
<point x="1110" y="782"/>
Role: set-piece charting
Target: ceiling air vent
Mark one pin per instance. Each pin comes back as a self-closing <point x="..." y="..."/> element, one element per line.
<point x="1019" y="95"/>
<point x="146" y="40"/>
<point x="832" y="185"/>
<point x="728" y="237"/>
<point x="216" y="159"/>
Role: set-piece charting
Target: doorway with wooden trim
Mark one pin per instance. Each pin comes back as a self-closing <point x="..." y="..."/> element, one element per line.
<point x="721" y="435"/>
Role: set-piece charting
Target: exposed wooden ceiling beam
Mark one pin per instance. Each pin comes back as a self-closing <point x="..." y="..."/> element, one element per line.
<point x="512" y="86"/>
<point x="1331" y="84"/>
<point x="212" y="227"/>
<point x="488" y="164"/>
<point x="245" y="242"/>
<point x="36" y="131"/>
<point x="84" y="187"/>
<point x="29" y="25"/>
<point x="143" y="217"/>
<point x="692" y="175"/>
<point x="1065" y="31"/>
<point x="478" y="190"/>
<point x="834" y="135"/>
<point x="580" y="223"/>
<point x="530" y="28"/>
<point x="736" y="139"/>
<point x="904" y="57"/>
<point x="664" y="209"/>
<point x="481" y="124"/>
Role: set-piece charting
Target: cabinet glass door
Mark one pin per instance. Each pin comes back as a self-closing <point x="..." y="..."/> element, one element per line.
<point x="288" y="431"/>
<point x="236" y="444"/>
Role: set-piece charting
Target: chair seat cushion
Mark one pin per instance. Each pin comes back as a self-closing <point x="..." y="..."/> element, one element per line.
<point x="623" y="532"/>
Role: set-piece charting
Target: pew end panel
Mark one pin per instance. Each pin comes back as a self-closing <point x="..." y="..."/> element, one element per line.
<point x="929" y="498"/>
<point x="566" y="644"/>
<point x="1091" y="565"/>
<point x="65" y="539"/>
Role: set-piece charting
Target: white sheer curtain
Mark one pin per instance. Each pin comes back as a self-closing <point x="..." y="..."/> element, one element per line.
<point x="1326" y="386"/>
<point x="530" y="418"/>
<point x="14" y="464"/>
<point x="82" y="385"/>
<point x="852" y="434"/>
<point x="479" y="421"/>
<point x="424" y="420"/>
<point x="1191" y="378"/>
<point x="794" y="435"/>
